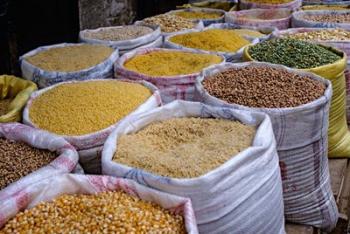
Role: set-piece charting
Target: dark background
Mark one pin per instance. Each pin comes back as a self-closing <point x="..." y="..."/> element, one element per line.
<point x="26" y="25"/>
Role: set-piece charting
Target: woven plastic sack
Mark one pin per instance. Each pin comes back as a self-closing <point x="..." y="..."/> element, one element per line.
<point x="230" y="57"/>
<point x="66" y="161"/>
<point x="301" y="136"/>
<point x="17" y="89"/>
<point x="213" y="4"/>
<point x="244" y="195"/>
<point x="278" y="18"/>
<point x="298" y="20"/>
<point x="54" y="187"/>
<point x="98" y="138"/>
<point x="47" y="78"/>
<point x="206" y="22"/>
<point x="338" y="133"/>
<point x="267" y="31"/>
<point x="199" y="26"/>
<point x="171" y="87"/>
<point x="292" y="5"/>
<point x="125" y="45"/>
<point x="343" y="45"/>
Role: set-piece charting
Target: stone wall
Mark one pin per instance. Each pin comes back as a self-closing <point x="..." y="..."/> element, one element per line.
<point x="102" y="13"/>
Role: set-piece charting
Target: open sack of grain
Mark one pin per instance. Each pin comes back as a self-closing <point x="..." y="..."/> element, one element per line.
<point x="48" y="65"/>
<point x="86" y="112"/>
<point x="229" y="5"/>
<point x="219" y="40"/>
<point x="88" y="204"/>
<point x="279" y="18"/>
<point x="124" y="38"/>
<point x="321" y="19"/>
<point x="298" y="105"/>
<point x="321" y="60"/>
<point x="170" y="24"/>
<point x="173" y="71"/>
<point x="336" y="37"/>
<point x="206" y="15"/>
<point x="270" y="4"/>
<point x="225" y="160"/>
<point x="14" y="94"/>
<point x="30" y="155"/>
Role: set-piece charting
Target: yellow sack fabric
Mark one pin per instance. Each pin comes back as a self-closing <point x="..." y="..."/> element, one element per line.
<point x="17" y="89"/>
<point x="338" y="133"/>
<point x="226" y="6"/>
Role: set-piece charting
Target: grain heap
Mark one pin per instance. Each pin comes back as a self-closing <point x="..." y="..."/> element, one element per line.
<point x="18" y="159"/>
<point x="292" y="53"/>
<point x="4" y="105"/>
<point x="198" y="15"/>
<point x="170" y="23"/>
<point x="270" y="1"/>
<point x="184" y="147"/>
<point x="263" y="87"/>
<point x="336" y="34"/>
<point x="325" y="7"/>
<point x="86" y="107"/>
<point x="171" y="63"/>
<point x="70" y="58"/>
<point x="106" y="212"/>
<point x="215" y="40"/>
<point x="118" y="33"/>
<point x="249" y="33"/>
<point x="329" y="18"/>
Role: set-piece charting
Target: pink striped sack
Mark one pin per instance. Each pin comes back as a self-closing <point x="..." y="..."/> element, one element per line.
<point x="171" y="87"/>
<point x="48" y="189"/>
<point x="302" y="144"/>
<point x="66" y="161"/>
<point x="279" y="18"/>
<point x="292" y="5"/>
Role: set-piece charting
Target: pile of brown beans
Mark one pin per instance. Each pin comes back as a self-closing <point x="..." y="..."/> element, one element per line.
<point x="263" y="87"/>
<point x="18" y="159"/>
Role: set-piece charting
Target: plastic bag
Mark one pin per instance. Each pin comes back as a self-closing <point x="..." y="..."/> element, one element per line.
<point x="95" y="139"/>
<point x="171" y="87"/>
<point x="230" y="57"/>
<point x="66" y="161"/>
<point x="298" y="20"/>
<point x="125" y="45"/>
<point x="206" y="22"/>
<point x="338" y="133"/>
<point x="47" y="190"/>
<point x="301" y="136"/>
<point x="244" y="195"/>
<point x="292" y="5"/>
<point x="279" y="18"/>
<point x="17" y="89"/>
<point x="46" y="78"/>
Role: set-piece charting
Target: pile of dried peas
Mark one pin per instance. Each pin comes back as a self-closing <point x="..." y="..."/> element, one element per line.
<point x="18" y="159"/>
<point x="170" y="63"/>
<point x="106" y="212"/>
<point x="343" y="17"/>
<point x="184" y="147"/>
<point x="86" y="107"/>
<point x="335" y="34"/>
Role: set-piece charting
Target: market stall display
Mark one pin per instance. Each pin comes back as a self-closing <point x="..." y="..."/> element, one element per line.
<point x="298" y="105"/>
<point x="206" y="15"/>
<point x="68" y="203"/>
<point x="86" y="112"/>
<point x="14" y="93"/>
<point x="49" y="65"/>
<point x="172" y="71"/>
<point x="221" y="199"/>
